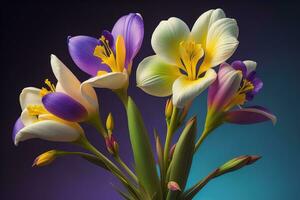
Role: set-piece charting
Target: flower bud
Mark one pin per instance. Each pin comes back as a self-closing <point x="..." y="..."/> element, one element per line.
<point x="45" y="158"/>
<point x="236" y="164"/>
<point x="168" y="109"/>
<point x="110" y="122"/>
<point x="111" y="145"/>
<point x="173" y="186"/>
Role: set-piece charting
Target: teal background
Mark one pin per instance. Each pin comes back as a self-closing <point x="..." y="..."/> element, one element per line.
<point x="269" y="34"/>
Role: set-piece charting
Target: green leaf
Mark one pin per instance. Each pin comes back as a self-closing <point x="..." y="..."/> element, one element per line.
<point x="182" y="158"/>
<point x="143" y="156"/>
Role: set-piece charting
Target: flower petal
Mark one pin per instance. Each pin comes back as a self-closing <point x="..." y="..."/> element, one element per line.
<point x="250" y="65"/>
<point x="49" y="130"/>
<point x="203" y="23"/>
<point x="221" y="43"/>
<point x="239" y="65"/>
<point x="112" y="80"/>
<point x="167" y="37"/>
<point x="17" y="127"/>
<point x="30" y="96"/>
<point x="26" y="118"/>
<point x="224" y="88"/>
<point x="156" y="77"/>
<point x="81" y="49"/>
<point x="250" y="115"/>
<point x="64" y="106"/>
<point x="70" y="85"/>
<point x="185" y="90"/>
<point x="131" y="27"/>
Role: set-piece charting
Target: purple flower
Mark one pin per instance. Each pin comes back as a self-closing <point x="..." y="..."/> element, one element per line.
<point x="109" y="59"/>
<point x="236" y="84"/>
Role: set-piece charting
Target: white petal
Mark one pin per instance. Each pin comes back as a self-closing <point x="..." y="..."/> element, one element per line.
<point x="251" y="66"/>
<point x="69" y="84"/>
<point x="203" y="23"/>
<point x="30" y="96"/>
<point x="48" y="130"/>
<point x="26" y="118"/>
<point x="185" y="90"/>
<point x="112" y="80"/>
<point x="167" y="37"/>
<point x="221" y="42"/>
<point x="156" y="77"/>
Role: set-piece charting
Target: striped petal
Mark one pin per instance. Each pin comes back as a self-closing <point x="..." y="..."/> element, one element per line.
<point x="221" y="43"/>
<point x="167" y="37"/>
<point x="65" y="107"/>
<point x="185" y="90"/>
<point x="156" y="77"/>
<point x="131" y="27"/>
<point x="50" y="130"/>
<point x="250" y="115"/>
<point x="223" y="89"/>
<point x="30" y="96"/>
<point x="112" y="80"/>
<point x="203" y="23"/>
<point x="81" y="49"/>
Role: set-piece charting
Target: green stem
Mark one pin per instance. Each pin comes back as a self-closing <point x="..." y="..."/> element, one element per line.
<point x="126" y="168"/>
<point x="170" y="132"/>
<point x="97" y="123"/>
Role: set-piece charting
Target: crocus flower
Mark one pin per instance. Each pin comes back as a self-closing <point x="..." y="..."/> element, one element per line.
<point x="236" y="84"/>
<point x="109" y="59"/>
<point x="36" y="122"/>
<point x="184" y="59"/>
<point x="69" y="100"/>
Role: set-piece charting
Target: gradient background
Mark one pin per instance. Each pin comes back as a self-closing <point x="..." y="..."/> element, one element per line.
<point x="269" y="34"/>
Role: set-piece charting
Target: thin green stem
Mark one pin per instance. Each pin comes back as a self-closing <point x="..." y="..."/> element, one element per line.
<point x="170" y="132"/>
<point x="97" y="123"/>
<point x="126" y="168"/>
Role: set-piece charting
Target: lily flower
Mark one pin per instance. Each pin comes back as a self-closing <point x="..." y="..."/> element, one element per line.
<point x="109" y="59"/>
<point x="236" y="84"/>
<point x="36" y="122"/>
<point x="69" y="100"/>
<point x="184" y="59"/>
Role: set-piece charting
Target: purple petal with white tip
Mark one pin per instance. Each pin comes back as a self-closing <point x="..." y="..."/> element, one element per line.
<point x="250" y="115"/>
<point x="81" y="49"/>
<point x="239" y="65"/>
<point x="131" y="27"/>
<point x="17" y="127"/>
<point x="64" y="107"/>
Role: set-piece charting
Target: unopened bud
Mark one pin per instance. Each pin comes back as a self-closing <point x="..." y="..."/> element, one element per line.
<point x="110" y="122"/>
<point x="173" y="186"/>
<point x="169" y="108"/>
<point x="45" y="158"/>
<point x="111" y="145"/>
<point x="236" y="164"/>
<point x="184" y="112"/>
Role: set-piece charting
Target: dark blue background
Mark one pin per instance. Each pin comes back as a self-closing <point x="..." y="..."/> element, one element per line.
<point x="269" y="34"/>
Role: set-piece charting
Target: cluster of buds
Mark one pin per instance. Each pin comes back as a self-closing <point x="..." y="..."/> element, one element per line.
<point x="111" y="144"/>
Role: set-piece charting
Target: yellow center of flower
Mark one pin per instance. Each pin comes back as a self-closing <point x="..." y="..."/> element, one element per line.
<point x="36" y="110"/>
<point x="114" y="60"/>
<point x="46" y="90"/>
<point x="240" y="97"/>
<point x="190" y="54"/>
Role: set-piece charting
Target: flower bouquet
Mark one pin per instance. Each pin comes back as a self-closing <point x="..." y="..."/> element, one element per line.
<point x="183" y="67"/>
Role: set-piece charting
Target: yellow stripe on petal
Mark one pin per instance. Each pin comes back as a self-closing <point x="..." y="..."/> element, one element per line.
<point x="120" y="53"/>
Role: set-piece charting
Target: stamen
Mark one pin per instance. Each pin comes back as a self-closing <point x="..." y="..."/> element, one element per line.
<point x="190" y="54"/>
<point x="51" y="88"/>
<point x="115" y="61"/>
<point x="36" y="110"/>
